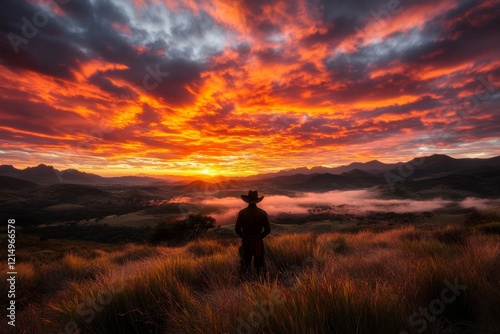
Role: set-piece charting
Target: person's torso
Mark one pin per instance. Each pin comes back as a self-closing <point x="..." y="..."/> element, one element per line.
<point x="252" y="219"/>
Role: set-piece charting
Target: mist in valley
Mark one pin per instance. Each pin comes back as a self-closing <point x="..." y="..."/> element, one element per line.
<point x="357" y="202"/>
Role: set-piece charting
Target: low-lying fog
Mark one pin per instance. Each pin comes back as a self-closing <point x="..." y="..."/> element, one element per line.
<point x="355" y="201"/>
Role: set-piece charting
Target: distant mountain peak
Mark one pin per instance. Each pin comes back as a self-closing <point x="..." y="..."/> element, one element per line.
<point x="42" y="166"/>
<point x="8" y="167"/>
<point x="8" y="170"/>
<point x="297" y="169"/>
<point x="72" y="171"/>
<point x="439" y="156"/>
<point x="356" y="172"/>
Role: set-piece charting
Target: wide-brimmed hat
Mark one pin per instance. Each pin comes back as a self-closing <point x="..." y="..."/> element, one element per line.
<point x="252" y="197"/>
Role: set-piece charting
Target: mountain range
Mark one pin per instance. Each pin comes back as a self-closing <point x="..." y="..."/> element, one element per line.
<point x="425" y="177"/>
<point x="354" y="175"/>
<point x="373" y="167"/>
<point x="43" y="174"/>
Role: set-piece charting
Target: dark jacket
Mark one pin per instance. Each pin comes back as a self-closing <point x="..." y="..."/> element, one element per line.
<point x="252" y="222"/>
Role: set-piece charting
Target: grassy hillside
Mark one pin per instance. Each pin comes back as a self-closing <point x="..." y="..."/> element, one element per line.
<point x="333" y="282"/>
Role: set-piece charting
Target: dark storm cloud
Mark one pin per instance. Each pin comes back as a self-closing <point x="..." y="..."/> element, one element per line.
<point x="335" y="33"/>
<point x="356" y="134"/>
<point x="48" y="49"/>
<point x="149" y="115"/>
<point x="273" y="55"/>
<point x="165" y="79"/>
<point x="320" y="125"/>
<point x="37" y="118"/>
<point x="436" y="45"/>
<point x="86" y="32"/>
<point x="100" y="80"/>
<point x="266" y="27"/>
<point x="426" y="103"/>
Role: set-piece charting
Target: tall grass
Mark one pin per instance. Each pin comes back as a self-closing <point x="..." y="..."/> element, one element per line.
<point x="328" y="283"/>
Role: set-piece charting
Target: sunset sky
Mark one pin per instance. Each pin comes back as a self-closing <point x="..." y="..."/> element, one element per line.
<point x="245" y="86"/>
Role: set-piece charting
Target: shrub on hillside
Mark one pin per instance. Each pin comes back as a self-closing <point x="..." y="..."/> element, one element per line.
<point x="199" y="224"/>
<point x="184" y="230"/>
<point x="478" y="218"/>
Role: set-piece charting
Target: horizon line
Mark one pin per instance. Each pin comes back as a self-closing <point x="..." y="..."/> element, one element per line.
<point x="215" y="175"/>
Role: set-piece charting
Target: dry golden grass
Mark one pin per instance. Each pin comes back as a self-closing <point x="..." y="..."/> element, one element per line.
<point x="318" y="283"/>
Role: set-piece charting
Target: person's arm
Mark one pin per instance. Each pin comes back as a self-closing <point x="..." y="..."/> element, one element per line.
<point x="267" y="227"/>
<point x="238" y="226"/>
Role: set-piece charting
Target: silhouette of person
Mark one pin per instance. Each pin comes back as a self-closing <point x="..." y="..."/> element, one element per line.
<point x="252" y="226"/>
